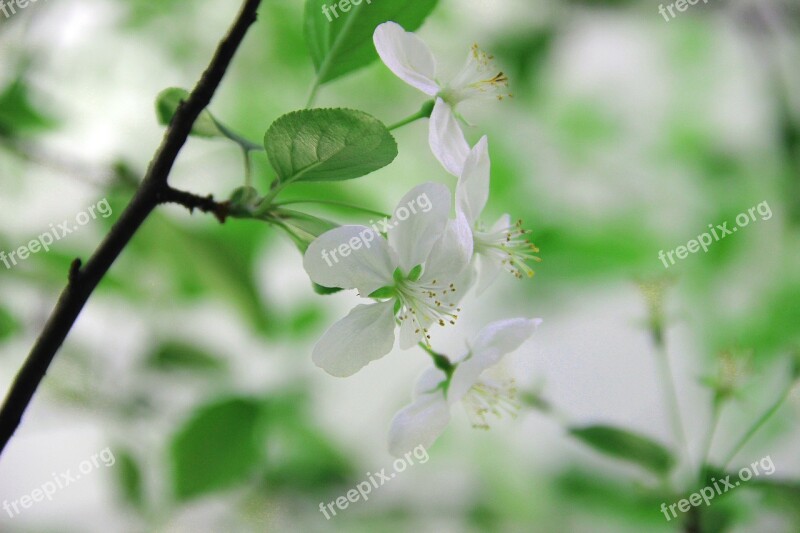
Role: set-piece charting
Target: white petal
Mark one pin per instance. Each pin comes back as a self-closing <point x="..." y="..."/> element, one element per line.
<point x="502" y="337"/>
<point x="446" y="138"/>
<point x="418" y="222"/>
<point x="364" y="335"/>
<point x="478" y="79"/>
<point x="472" y="191"/>
<point x="350" y="257"/>
<point x="419" y="424"/>
<point x="465" y="280"/>
<point x="407" y="56"/>
<point x="411" y="332"/>
<point x="491" y="260"/>
<point x="503" y="223"/>
<point x="490" y="345"/>
<point x="428" y="381"/>
<point x="452" y="252"/>
<point x="490" y="268"/>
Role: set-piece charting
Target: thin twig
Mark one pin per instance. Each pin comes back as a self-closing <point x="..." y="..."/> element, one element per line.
<point x="84" y="279"/>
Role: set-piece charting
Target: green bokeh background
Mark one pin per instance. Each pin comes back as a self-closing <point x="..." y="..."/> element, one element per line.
<point x="627" y="135"/>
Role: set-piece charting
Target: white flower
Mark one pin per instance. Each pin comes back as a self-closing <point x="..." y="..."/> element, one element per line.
<point x="503" y="246"/>
<point x="480" y="382"/>
<point x="412" y="61"/>
<point x="410" y="273"/>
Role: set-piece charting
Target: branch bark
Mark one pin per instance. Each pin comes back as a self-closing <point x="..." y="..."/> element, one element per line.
<point x="154" y="189"/>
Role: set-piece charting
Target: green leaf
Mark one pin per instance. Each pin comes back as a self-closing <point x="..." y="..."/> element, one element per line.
<point x="167" y="103"/>
<point x="328" y="145"/>
<point x="415" y="273"/>
<point x="383" y="292"/>
<point x="778" y="493"/>
<point x="220" y="446"/>
<point x="627" y="446"/>
<point x="8" y="324"/>
<point x="325" y="291"/>
<point x="177" y="356"/>
<point x="302" y="455"/>
<point x="342" y="44"/>
<point x="129" y="477"/>
<point x="18" y="115"/>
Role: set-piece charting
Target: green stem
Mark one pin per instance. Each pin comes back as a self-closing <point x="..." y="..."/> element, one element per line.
<point x="716" y="410"/>
<point x="424" y="112"/>
<point x="238" y="139"/>
<point x="440" y="361"/>
<point x="758" y="424"/>
<point x="248" y="168"/>
<point x="668" y="385"/>
<point x="333" y="202"/>
<point x="312" y="95"/>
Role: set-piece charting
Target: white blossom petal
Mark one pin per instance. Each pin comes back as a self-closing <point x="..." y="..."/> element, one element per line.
<point x="407" y="56"/>
<point x="504" y="222"/>
<point x="428" y="381"/>
<point x="446" y="138"/>
<point x="419" y="423"/>
<point x="490" y="258"/>
<point x="418" y="222"/>
<point x="412" y="331"/>
<point x="478" y="79"/>
<point x="472" y="191"/>
<point x="364" y="335"/>
<point x="466" y="279"/>
<point x="490" y="268"/>
<point x="490" y="345"/>
<point x="350" y="257"/>
<point x="451" y="253"/>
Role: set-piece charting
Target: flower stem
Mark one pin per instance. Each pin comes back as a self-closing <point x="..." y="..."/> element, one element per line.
<point x="440" y="361"/>
<point x="668" y="385"/>
<point x="424" y="112"/>
<point x="312" y="94"/>
<point x="248" y="168"/>
<point x="716" y="410"/>
<point x="335" y="203"/>
<point x="758" y="424"/>
<point x="246" y="144"/>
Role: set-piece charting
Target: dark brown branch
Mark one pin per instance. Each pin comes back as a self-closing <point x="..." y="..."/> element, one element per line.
<point x="204" y="204"/>
<point x="84" y="279"/>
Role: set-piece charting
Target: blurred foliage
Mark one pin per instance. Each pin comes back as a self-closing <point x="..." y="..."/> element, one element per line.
<point x="179" y="356"/>
<point x="220" y="446"/>
<point x="626" y="446"/>
<point x="18" y="114"/>
<point x="8" y="324"/>
<point x="271" y="445"/>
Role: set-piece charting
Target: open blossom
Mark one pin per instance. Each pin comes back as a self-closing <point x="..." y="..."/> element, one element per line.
<point x="480" y="382"/>
<point x="412" y="61"/>
<point x="502" y="246"/>
<point x="409" y="276"/>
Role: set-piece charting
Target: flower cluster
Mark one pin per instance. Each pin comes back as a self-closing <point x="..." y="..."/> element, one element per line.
<point x="415" y="276"/>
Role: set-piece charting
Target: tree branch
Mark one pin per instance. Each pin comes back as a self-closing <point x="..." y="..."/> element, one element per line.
<point x="204" y="204"/>
<point x="83" y="280"/>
